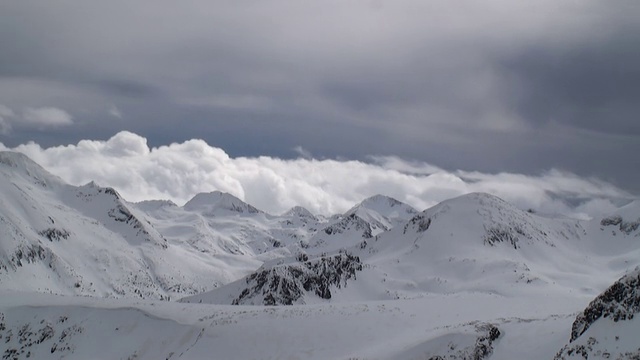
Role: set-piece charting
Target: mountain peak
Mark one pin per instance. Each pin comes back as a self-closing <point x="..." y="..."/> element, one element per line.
<point x="17" y="163"/>
<point x="486" y="219"/>
<point x="475" y="200"/>
<point x="381" y="205"/>
<point x="379" y="198"/>
<point x="12" y="158"/>
<point x="152" y="205"/>
<point x="299" y="211"/>
<point x="217" y="201"/>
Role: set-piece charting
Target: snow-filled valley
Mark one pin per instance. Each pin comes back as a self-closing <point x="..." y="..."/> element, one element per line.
<point x="85" y="274"/>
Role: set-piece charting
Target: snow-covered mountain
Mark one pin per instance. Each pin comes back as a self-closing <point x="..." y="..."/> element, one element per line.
<point x="475" y="242"/>
<point x="218" y="203"/>
<point x="372" y="216"/>
<point x="471" y="278"/>
<point x="300" y="213"/>
<point x="381" y="212"/>
<point x="87" y="240"/>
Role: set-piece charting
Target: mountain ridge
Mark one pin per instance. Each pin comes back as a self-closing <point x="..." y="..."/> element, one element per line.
<point x="472" y="275"/>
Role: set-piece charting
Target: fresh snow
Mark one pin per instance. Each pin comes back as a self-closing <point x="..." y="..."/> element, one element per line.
<point x="86" y="274"/>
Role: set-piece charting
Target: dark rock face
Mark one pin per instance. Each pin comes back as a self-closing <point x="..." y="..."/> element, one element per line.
<point x="287" y="284"/>
<point x="482" y="349"/>
<point x="626" y="227"/>
<point x="110" y="191"/>
<point x="243" y="208"/>
<point x="25" y="254"/>
<point x="484" y="343"/>
<point x="122" y="214"/>
<point x="505" y="234"/>
<point x="352" y="221"/>
<point x="20" y="339"/>
<point x="421" y="221"/>
<point x="55" y="234"/>
<point x="619" y="302"/>
<point x="611" y="221"/>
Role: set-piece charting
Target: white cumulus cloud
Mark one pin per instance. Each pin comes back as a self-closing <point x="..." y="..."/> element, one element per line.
<point x="180" y="170"/>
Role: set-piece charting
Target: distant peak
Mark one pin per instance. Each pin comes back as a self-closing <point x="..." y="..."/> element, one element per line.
<point x="479" y="197"/>
<point x="379" y="198"/>
<point x="17" y="160"/>
<point x="157" y="203"/>
<point x="385" y="205"/>
<point x="12" y="158"/>
<point x="217" y="200"/>
<point x="471" y="203"/>
<point x="214" y="196"/>
<point x="152" y="205"/>
<point x="91" y="184"/>
<point x="299" y="211"/>
<point x="18" y="163"/>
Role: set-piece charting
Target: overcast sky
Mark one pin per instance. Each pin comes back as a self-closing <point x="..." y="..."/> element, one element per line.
<point x="523" y="87"/>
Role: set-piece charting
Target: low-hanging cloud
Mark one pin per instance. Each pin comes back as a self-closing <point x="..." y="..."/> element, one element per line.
<point x="40" y="118"/>
<point x="180" y="170"/>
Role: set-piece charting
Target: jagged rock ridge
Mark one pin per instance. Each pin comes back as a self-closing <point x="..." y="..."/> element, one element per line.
<point x="619" y="302"/>
<point x="287" y="284"/>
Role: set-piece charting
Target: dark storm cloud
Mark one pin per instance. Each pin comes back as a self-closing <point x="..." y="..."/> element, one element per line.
<point x="497" y="86"/>
<point x="593" y="86"/>
<point x="127" y="88"/>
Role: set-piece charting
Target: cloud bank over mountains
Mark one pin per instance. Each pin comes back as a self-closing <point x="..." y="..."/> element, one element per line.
<point x="491" y="86"/>
<point x="180" y="170"/>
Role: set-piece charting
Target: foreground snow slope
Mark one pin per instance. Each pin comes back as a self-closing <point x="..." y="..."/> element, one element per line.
<point x="438" y="325"/>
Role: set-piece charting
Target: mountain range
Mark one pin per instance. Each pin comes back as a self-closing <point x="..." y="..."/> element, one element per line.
<point x="86" y="274"/>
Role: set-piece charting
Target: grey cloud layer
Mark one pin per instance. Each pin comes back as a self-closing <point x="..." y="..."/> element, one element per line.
<point x="180" y="170"/>
<point x="494" y="86"/>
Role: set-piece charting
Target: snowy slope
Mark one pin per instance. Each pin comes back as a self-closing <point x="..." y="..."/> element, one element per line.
<point x="87" y="240"/>
<point x="476" y="242"/>
<point x="219" y="223"/>
<point x="439" y="325"/>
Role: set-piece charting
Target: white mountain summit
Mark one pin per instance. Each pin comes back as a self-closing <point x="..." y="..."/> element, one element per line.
<point x="219" y="203"/>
